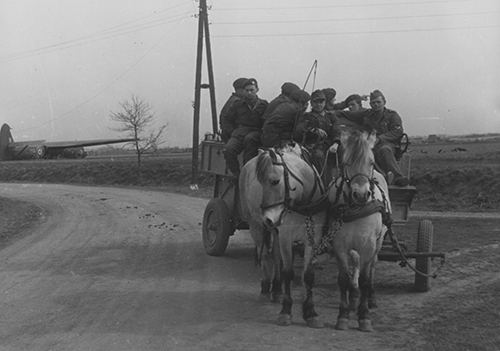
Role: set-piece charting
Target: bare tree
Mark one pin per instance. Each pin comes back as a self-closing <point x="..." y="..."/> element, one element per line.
<point x="136" y="118"/>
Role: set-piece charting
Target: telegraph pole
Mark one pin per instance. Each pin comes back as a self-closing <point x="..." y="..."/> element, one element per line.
<point x="203" y="31"/>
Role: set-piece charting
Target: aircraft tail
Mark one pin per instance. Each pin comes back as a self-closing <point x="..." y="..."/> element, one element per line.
<point x="5" y="140"/>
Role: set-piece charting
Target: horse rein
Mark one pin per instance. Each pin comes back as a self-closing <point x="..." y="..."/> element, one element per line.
<point x="287" y="173"/>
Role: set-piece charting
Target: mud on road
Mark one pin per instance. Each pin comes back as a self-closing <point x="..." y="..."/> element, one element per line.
<point x="122" y="269"/>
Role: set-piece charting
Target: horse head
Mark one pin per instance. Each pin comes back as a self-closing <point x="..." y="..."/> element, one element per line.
<point x="286" y="181"/>
<point x="358" y="163"/>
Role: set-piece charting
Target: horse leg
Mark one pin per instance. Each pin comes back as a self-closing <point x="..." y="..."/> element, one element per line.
<point x="354" y="294"/>
<point x="276" y="290"/>
<point x="364" y="321"/>
<point x="261" y="239"/>
<point x="344" y="284"/>
<point x="372" y="302"/>
<point x="308" y="312"/>
<point x="285" y="316"/>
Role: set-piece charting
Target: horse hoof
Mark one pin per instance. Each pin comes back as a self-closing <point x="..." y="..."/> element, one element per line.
<point x="314" y="322"/>
<point x="284" y="320"/>
<point x="342" y="324"/>
<point x="365" y="325"/>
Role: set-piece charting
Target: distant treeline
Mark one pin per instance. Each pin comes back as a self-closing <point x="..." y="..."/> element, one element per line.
<point x="110" y="150"/>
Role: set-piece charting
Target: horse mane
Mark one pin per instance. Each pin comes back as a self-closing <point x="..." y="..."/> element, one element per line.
<point x="264" y="163"/>
<point x="357" y="151"/>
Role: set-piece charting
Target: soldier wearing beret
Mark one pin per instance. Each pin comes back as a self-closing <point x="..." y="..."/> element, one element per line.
<point x="286" y="92"/>
<point x="243" y="124"/>
<point x="225" y="120"/>
<point x="280" y="123"/>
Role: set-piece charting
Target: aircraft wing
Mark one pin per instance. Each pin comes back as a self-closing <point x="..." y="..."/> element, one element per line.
<point x="82" y="143"/>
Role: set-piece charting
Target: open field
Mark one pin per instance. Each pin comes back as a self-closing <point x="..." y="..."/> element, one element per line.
<point x="448" y="176"/>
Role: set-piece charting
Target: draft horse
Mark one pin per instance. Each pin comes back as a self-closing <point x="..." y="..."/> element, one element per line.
<point x="360" y="209"/>
<point x="283" y="200"/>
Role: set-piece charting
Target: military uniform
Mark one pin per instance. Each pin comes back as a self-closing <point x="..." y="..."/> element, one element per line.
<point x="389" y="129"/>
<point x="314" y="131"/>
<point x="279" y="125"/>
<point x="226" y="120"/>
<point x="243" y="122"/>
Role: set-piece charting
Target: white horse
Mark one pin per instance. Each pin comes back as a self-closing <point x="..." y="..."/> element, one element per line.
<point x="281" y="199"/>
<point x="359" y="199"/>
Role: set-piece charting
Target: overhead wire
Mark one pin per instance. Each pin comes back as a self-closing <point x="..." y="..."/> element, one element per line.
<point x="108" y="33"/>
<point x="354" y="32"/>
<point x="100" y="91"/>
<point x="281" y="8"/>
<point x="345" y="19"/>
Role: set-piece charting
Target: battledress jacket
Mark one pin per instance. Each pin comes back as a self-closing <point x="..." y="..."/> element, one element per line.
<point x="387" y="123"/>
<point x="275" y="103"/>
<point x="226" y="119"/>
<point x="242" y="117"/>
<point x="280" y="124"/>
<point x="306" y="129"/>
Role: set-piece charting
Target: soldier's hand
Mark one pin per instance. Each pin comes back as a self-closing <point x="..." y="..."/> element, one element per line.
<point x="322" y="134"/>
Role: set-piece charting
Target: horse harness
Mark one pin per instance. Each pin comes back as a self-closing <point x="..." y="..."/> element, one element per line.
<point x="307" y="207"/>
<point x="347" y="211"/>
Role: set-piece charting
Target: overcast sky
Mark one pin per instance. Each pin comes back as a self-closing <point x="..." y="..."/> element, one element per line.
<point x="64" y="65"/>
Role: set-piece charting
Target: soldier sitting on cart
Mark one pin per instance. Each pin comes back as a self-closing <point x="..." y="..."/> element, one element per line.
<point x="314" y="130"/>
<point x="279" y="125"/>
<point x="241" y="123"/>
<point x="286" y="96"/>
<point x="389" y="128"/>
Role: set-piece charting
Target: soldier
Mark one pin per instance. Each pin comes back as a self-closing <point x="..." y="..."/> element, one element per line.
<point x="243" y="122"/>
<point x="389" y="128"/>
<point x="286" y="91"/>
<point x="314" y="129"/>
<point x="279" y="125"/>
<point x="226" y="123"/>
<point x="354" y="102"/>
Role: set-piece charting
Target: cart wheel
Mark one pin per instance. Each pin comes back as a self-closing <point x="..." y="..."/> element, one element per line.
<point x="423" y="264"/>
<point x="216" y="227"/>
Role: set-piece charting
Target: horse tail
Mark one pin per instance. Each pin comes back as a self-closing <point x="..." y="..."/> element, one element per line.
<point x="355" y="261"/>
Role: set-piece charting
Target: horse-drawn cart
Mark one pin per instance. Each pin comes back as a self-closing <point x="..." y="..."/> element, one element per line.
<point x="222" y="217"/>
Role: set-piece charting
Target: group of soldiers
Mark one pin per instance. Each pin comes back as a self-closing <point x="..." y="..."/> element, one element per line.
<point x="248" y="122"/>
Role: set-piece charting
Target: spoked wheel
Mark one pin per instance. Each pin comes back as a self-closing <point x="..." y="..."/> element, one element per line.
<point x="423" y="264"/>
<point x="217" y="227"/>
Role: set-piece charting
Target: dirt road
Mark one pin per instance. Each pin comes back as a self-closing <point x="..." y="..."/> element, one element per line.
<point x="120" y="269"/>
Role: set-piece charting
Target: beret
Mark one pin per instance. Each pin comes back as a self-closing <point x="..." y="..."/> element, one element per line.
<point x="330" y="93"/>
<point x="318" y="95"/>
<point x="240" y="83"/>
<point x="288" y="88"/>
<point x="300" y="96"/>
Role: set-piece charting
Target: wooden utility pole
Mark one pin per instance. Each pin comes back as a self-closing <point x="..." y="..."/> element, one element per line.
<point x="202" y="31"/>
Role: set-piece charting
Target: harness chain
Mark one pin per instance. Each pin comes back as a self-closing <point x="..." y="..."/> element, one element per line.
<point x="326" y="240"/>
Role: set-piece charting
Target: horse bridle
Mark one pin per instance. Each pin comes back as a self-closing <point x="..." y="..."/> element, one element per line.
<point x="287" y="173"/>
<point x="348" y="180"/>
